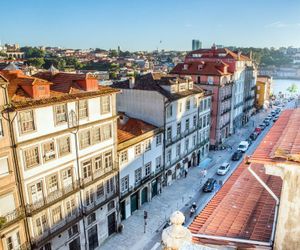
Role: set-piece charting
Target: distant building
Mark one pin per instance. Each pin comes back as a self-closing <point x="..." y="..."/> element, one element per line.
<point x="263" y="91"/>
<point x="196" y="44"/>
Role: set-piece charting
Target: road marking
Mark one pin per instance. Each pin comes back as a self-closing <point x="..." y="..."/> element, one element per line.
<point x="157" y="244"/>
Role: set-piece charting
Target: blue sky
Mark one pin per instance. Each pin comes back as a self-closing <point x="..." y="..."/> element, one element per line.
<point x="141" y="24"/>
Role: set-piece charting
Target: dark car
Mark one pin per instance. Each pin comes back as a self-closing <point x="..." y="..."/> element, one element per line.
<point x="266" y="122"/>
<point x="273" y="113"/>
<point x="249" y="141"/>
<point x="237" y="155"/>
<point x="209" y="185"/>
<point x="253" y="136"/>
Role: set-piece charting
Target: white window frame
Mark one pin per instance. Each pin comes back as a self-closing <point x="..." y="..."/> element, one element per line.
<point x="62" y="112"/>
<point x="22" y="122"/>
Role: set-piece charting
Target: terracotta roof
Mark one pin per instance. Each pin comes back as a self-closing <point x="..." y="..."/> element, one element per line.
<point x="242" y="208"/>
<point x="201" y="68"/>
<point x="63" y="88"/>
<point x="282" y="142"/>
<point x="132" y="128"/>
<point x="219" y="53"/>
<point x="149" y="82"/>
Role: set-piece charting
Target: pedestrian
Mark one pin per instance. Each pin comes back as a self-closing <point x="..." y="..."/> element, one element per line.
<point x="185" y="173"/>
<point x="204" y="172"/>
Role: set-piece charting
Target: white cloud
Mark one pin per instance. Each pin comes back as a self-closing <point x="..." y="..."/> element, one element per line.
<point x="277" y="24"/>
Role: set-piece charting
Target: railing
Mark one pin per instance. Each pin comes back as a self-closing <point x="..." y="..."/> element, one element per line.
<point x="238" y="105"/>
<point x="253" y="88"/>
<point x="25" y="246"/>
<point x="100" y="201"/>
<point x="202" y="143"/>
<point x="249" y="97"/>
<point x="11" y="217"/>
<point x="52" y="230"/>
<point x="96" y="175"/>
<point x="178" y="137"/>
<point x="225" y="124"/>
<point x="224" y="111"/>
<point x="226" y="97"/>
<point x="53" y="197"/>
<point x="247" y="108"/>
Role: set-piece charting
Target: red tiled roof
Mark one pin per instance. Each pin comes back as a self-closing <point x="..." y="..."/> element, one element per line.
<point x="241" y="209"/>
<point x="201" y="68"/>
<point x="133" y="128"/>
<point x="282" y="143"/>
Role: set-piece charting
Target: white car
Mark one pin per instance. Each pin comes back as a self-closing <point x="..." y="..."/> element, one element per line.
<point x="243" y="146"/>
<point x="223" y="169"/>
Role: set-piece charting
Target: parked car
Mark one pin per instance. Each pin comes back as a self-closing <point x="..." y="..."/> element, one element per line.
<point x="223" y="169"/>
<point x="275" y="118"/>
<point x="273" y="113"/>
<point x="262" y="126"/>
<point x="237" y="155"/>
<point x="243" y="146"/>
<point x="253" y="136"/>
<point x="266" y="122"/>
<point x="209" y="185"/>
<point x="257" y="130"/>
<point x="249" y="141"/>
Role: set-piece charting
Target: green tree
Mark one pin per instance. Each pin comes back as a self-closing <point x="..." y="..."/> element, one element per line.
<point x="36" y="61"/>
<point x="32" y="52"/>
<point x="293" y="88"/>
<point x="113" y="53"/>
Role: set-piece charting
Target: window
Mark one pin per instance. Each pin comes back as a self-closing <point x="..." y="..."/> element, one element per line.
<point x="106" y="132"/>
<point x="200" y="122"/>
<point x="124" y="183"/>
<point x="178" y="149"/>
<point x="91" y="218"/>
<point x="41" y="224"/>
<point x="138" y="175"/>
<point x="108" y="159"/>
<point x="179" y="107"/>
<point x="205" y="104"/>
<point x="186" y="144"/>
<point x="207" y="120"/>
<point x="36" y="192"/>
<point x="148" y="169"/>
<point x="100" y="191"/>
<point x="60" y="112"/>
<point x="169" y="111"/>
<point x="31" y="157"/>
<point x="169" y="133"/>
<point x="169" y="154"/>
<point x="85" y="138"/>
<point x="13" y="240"/>
<point x="82" y="107"/>
<point x="49" y="151"/>
<point x="124" y="157"/>
<point x="194" y="140"/>
<point x="110" y="185"/>
<point x="201" y="105"/>
<point x="67" y="179"/>
<point x="56" y="214"/>
<point x="178" y="128"/>
<point x="208" y="102"/>
<point x="89" y="197"/>
<point x="64" y="146"/>
<point x="158" y="140"/>
<point x="188" y="104"/>
<point x="137" y="149"/>
<point x="98" y="162"/>
<point x="194" y="121"/>
<point x="1" y="127"/>
<point x="158" y="162"/>
<point x="52" y="183"/>
<point x="3" y="167"/>
<point x="73" y="230"/>
<point x="8" y="205"/>
<point x="110" y="205"/>
<point x="26" y="121"/>
<point x="195" y="102"/>
<point x="87" y="169"/>
<point x="204" y="121"/>
<point x="148" y="145"/>
<point x="97" y="135"/>
<point x="210" y="79"/>
<point x="187" y="124"/>
<point x="105" y="104"/>
<point x="70" y="207"/>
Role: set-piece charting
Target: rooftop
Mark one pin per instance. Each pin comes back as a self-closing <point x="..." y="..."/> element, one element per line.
<point x="282" y="143"/>
<point x="241" y="209"/>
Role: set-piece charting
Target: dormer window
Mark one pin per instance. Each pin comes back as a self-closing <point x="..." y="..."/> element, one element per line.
<point x="210" y="79"/>
<point x="185" y="66"/>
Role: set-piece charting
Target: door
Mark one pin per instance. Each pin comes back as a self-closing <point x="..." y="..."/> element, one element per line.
<point x="154" y="188"/>
<point x="75" y="244"/>
<point x="93" y="238"/>
<point x="144" y="195"/>
<point x="123" y="211"/>
<point x="111" y="220"/>
<point x="133" y="202"/>
<point x="13" y="240"/>
<point x="36" y="192"/>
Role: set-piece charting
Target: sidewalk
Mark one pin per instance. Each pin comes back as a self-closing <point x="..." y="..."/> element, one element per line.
<point x="178" y="196"/>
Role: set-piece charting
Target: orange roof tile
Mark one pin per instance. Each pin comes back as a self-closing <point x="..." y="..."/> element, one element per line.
<point x="282" y="142"/>
<point x="241" y="209"/>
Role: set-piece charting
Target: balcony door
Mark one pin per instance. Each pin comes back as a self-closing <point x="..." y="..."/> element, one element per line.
<point x="36" y="192"/>
<point x="67" y="179"/>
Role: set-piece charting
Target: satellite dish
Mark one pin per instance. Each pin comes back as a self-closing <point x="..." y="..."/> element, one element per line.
<point x="72" y="119"/>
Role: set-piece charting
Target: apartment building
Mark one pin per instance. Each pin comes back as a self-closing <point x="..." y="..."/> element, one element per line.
<point x="177" y="105"/>
<point x="214" y="77"/>
<point x="12" y="227"/>
<point x="140" y="152"/>
<point x="65" y="138"/>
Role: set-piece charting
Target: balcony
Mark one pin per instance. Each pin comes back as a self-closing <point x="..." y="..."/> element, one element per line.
<point x="97" y="175"/>
<point x="250" y="97"/>
<point x="238" y="105"/>
<point x="224" y="111"/>
<point x="224" y="125"/>
<point x="202" y="143"/>
<point x="55" y="229"/>
<point x="52" y="198"/>
<point x="11" y="217"/>
<point x="226" y="97"/>
<point x="253" y="87"/>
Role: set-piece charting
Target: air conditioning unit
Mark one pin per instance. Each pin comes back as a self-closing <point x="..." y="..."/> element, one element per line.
<point x="49" y="155"/>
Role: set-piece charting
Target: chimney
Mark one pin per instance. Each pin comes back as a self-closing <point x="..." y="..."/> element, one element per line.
<point x="131" y="82"/>
<point x="123" y="119"/>
<point x="185" y="66"/>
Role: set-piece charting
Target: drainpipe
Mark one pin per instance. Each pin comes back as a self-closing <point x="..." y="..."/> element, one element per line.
<point x="166" y="104"/>
<point x="16" y="164"/>
<point x="273" y="195"/>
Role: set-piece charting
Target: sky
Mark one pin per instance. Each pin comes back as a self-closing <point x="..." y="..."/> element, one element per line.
<point x="150" y="24"/>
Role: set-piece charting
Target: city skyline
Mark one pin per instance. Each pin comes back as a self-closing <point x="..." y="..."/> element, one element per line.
<point x="143" y="25"/>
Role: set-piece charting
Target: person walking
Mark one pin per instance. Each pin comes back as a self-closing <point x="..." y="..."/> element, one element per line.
<point x="185" y="173"/>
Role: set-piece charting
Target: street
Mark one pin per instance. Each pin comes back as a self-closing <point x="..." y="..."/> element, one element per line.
<point x="181" y="194"/>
